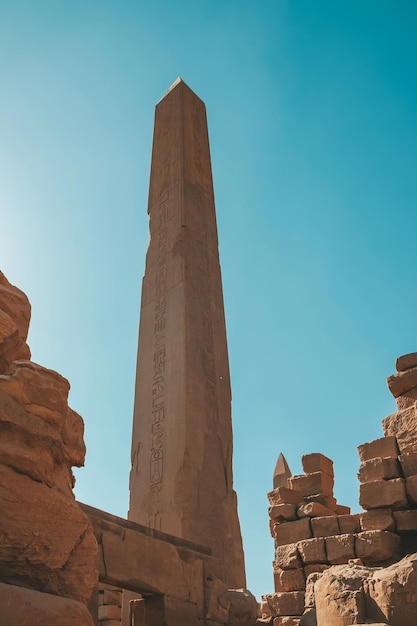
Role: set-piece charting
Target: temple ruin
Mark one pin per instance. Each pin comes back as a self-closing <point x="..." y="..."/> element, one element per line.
<point x="177" y="559"/>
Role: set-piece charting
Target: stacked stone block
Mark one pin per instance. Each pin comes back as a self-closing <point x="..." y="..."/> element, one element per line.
<point x="109" y="605"/>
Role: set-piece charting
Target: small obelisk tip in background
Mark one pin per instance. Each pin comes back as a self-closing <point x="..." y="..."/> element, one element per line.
<point x="281" y="472"/>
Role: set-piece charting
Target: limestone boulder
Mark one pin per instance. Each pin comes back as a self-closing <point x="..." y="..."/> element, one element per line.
<point x="26" y="607"/>
<point x="47" y="542"/>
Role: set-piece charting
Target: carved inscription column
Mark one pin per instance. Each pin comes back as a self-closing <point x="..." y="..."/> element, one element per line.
<point x="181" y="478"/>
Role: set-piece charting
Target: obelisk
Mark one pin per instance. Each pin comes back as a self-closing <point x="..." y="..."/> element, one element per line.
<point x="181" y="477"/>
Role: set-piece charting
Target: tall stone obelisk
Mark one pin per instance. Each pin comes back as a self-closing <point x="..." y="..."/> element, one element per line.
<point x="181" y="476"/>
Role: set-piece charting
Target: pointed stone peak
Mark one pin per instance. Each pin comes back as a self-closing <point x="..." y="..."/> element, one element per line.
<point x="281" y="472"/>
<point x="178" y="83"/>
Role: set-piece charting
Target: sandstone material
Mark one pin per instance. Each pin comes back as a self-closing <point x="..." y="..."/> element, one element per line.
<point x="406" y="362"/>
<point x="287" y="556"/>
<point x="309" y="601"/>
<point x="339" y="596"/>
<point x="26" y="607"/>
<point x="401" y="383"/>
<point x="286" y="620"/>
<point x="289" y="603"/>
<point x="406" y="520"/>
<point x="181" y="475"/>
<point x="341" y="509"/>
<point x="383" y="447"/>
<point x="340" y="548"/>
<point x="109" y="611"/>
<point x="376" y="546"/>
<point x="408" y="463"/>
<point x="411" y="488"/>
<point x="348" y="524"/>
<point x="291" y="532"/>
<point x="393" y="590"/>
<point x="12" y="346"/>
<point x="311" y="484"/>
<point x="243" y="608"/>
<point x="112" y="596"/>
<point x="403" y="425"/>
<point x="16" y="304"/>
<point x="326" y="500"/>
<point x="289" y="579"/>
<point x="377" y="519"/>
<point x="281" y="473"/>
<point x="313" y="509"/>
<point x="325" y="526"/>
<point x="47" y="541"/>
<point x="317" y="462"/>
<point x="282" y="512"/>
<point x="381" y="468"/>
<point x="285" y="495"/>
<point x="407" y="400"/>
<point x="383" y="493"/>
<point x="312" y="551"/>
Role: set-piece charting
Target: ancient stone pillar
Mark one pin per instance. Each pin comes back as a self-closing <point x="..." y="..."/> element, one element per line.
<point x="181" y="476"/>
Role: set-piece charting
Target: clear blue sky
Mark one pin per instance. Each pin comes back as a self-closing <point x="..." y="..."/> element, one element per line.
<point x="312" y="120"/>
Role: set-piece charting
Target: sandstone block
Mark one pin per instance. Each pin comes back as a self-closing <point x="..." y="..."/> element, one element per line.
<point x="341" y="509"/>
<point x="109" y="612"/>
<point x="284" y="495"/>
<point x="287" y="556"/>
<point x="383" y="447"/>
<point x="289" y="603"/>
<point x="16" y="304"/>
<point x="383" y="493"/>
<point x="311" y="484"/>
<point x="406" y="362"/>
<point x="377" y="519"/>
<point x="325" y="526"/>
<point x="348" y="524"/>
<point x="243" y="608"/>
<point x="381" y="468"/>
<point x="112" y="596"/>
<point x="340" y="548"/>
<point x="315" y="568"/>
<point x="312" y="551"/>
<point x="339" y="597"/>
<point x="12" y="346"/>
<point x="313" y="509"/>
<point x="283" y="512"/>
<point x="326" y="500"/>
<point x="406" y="520"/>
<point x="403" y="425"/>
<point x="408" y="462"/>
<point x="376" y="546"/>
<point x="286" y="621"/>
<point x="411" y="488"/>
<point x="291" y="532"/>
<point x="47" y="541"/>
<point x="317" y="462"/>
<point x="289" y="580"/>
<point x="407" y="400"/>
<point x="402" y="382"/>
<point x="25" y="607"/>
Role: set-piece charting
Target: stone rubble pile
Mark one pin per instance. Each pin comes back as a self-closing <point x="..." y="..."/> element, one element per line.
<point x="47" y="543"/>
<point x="314" y="535"/>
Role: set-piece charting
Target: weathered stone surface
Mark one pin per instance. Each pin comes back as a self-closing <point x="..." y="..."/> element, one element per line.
<point x="285" y="495"/>
<point x="381" y="468"/>
<point x="339" y="596"/>
<point x="291" y="532"/>
<point x="393" y="592"/>
<point x="51" y="549"/>
<point x="286" y="603"/>
<point x="313" y="509"/>
<point x="315" y="568"/>
<point x="16" y="304"/>
<point x="376" y="546"/>
<point x="341" y="509"/>
<point x="406" y="362"/>
<point x="383" y="493"/>
<point x="407" y="400"/>
<point x="348" y="523"/>
<point x="317" y="462"/>
<point x="377" y="519"/>
<point x="243" y="608"/>
<point x="283" y="512"/>
<point x="325" y="526"/>
<point x="109" y="611"/>
<point x="287" y="556"/>
<point x="282" y="472"/>
<point x="406" y="520"/>
<point x="12" y="346"/>
<point x="286" y="620"/>
<point x="312" y="551"/>
<point x="402" y="382"/>
<point x="411" y="488"/>
<point x="310" y="484"/>
<point x="403" y="425"/>
<point x="329" y="501"/>
<point x="289" y="579"/>
<point x="408" y="462"/>
<point x="26" y="607"/>
<point x="181" y="476"/>
<point x="383" y="447"/>
<point x="340" y="548"/>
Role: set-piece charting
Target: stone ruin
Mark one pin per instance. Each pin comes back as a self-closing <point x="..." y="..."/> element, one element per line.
<point x="176" y="560"/>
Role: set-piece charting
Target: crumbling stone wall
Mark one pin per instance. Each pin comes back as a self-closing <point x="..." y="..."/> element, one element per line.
<point x="332" y="568"/>
<point x="47" y="544"/>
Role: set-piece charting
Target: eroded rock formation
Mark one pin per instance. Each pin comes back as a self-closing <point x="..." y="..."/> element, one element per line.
<point x="47" y="542"/>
